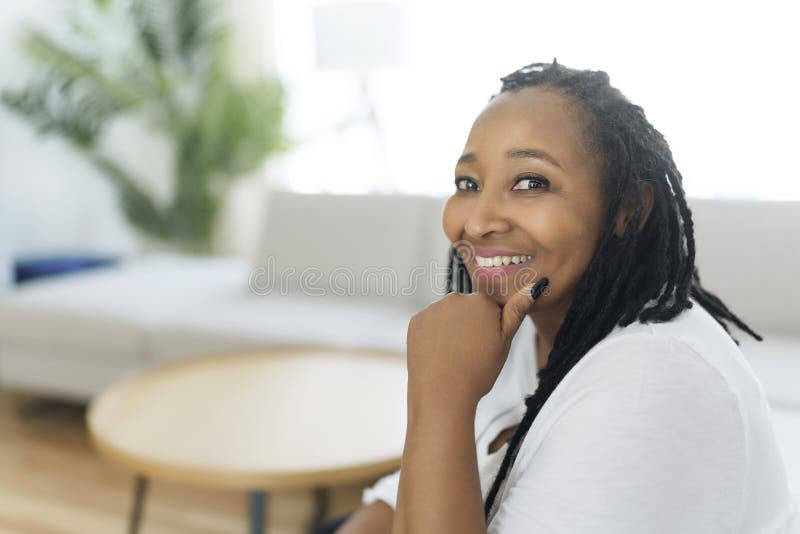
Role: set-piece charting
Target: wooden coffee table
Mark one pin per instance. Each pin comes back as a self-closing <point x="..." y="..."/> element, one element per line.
<point x="283" y="418"/>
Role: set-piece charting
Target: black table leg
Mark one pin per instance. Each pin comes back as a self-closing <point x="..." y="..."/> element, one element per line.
<point x="320" y="508"/>
<point x="139" y="492"/>
<point x="258" y="505"/>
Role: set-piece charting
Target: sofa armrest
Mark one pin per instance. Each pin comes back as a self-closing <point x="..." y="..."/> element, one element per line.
<point x="6" y="272"/>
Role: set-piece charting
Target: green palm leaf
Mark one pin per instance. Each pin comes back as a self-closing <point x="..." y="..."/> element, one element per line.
<point x="175" y="76"/>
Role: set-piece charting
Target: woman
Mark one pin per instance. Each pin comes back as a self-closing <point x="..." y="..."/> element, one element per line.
<point x="573" y="248"/>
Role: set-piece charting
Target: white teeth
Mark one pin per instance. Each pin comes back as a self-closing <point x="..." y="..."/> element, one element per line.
<point x="496" y="261"/>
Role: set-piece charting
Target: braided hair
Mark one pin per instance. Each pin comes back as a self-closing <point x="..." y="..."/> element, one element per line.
<point x="647" y="274"/>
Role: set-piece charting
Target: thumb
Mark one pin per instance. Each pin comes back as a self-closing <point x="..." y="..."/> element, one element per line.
<point x="518" y="306"/>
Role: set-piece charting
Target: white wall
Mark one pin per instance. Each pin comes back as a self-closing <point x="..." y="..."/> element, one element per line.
<point x="718" y="79"/>
<point x="51" y="199"/>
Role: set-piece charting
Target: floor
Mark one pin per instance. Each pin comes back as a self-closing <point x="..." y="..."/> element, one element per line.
<point x="52" y="482"/>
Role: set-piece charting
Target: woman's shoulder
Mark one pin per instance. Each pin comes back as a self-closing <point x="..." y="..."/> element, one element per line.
<point x="639" y="390"/>
<point x="664" y="374"/>
<point x="692" y="345"/>
<point x="677" y="395"/>
<point x="684" y="376"/>
<point x="645" y="370"/>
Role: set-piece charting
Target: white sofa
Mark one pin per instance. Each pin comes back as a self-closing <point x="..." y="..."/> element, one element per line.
<point x="748" y="254"/>
<point x="6" y="263"/>
<point x="70" y="336"/>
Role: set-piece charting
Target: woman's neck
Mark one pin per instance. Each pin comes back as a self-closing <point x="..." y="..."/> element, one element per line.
<point x="542" y="352"/>
<point x="546" y="323"/>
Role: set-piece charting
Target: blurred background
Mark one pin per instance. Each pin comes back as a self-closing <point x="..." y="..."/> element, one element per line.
<point x="160" y="161"/>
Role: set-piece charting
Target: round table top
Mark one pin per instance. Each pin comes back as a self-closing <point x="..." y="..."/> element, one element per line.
<point x="278" y="418"/>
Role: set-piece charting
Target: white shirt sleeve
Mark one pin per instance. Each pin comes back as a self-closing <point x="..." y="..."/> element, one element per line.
<point x="385" y="489"/>
<point x="643" y="442"/>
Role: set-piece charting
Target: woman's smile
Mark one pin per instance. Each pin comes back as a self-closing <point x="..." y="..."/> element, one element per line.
<point x="498" y="271"/>
<point x="486" y="257"/>
<point x="495" y="263"/>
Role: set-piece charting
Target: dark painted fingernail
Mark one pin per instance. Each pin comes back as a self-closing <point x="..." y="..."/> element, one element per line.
<point x="538" y="288"/>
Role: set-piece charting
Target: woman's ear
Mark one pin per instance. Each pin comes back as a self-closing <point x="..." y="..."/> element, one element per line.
<point x="629" y="207"/>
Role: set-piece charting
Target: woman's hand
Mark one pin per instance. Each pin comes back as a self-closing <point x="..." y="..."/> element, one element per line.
<point x="375" y="518"/>
<point x="457" y="346"/>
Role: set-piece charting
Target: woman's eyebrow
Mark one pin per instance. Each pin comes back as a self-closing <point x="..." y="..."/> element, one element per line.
<point x="516" y="154"/>
<point x="532" y="153"/>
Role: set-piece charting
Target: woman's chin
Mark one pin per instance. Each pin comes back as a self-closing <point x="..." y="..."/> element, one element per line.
<point x="501" y="288"/>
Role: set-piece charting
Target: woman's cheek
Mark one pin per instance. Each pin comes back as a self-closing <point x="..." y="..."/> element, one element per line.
<point x="452" y="219"/>
<point x="559" y="242"/>
<point x="570" y="257"/>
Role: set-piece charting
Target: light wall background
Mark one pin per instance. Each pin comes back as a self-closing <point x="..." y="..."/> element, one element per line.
<point x="717" y="78"/>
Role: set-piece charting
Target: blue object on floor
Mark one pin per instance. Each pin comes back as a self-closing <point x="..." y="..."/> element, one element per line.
<point x="26" y="269"/>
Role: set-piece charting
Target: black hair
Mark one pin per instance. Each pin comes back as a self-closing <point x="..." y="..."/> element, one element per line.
<point x="647" y="274"/>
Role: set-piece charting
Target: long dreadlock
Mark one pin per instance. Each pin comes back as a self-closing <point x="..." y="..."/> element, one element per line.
<point x="646" y="274"/>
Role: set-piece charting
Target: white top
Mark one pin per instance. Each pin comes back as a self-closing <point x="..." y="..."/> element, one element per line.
<point x="660" y="427"/>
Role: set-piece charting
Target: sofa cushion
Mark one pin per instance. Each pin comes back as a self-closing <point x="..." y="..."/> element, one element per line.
<point x="748" y="254"/>
<point x="234" y="323"/>
<point x="355" y="245"/>
<point x="111" y="309"/>
<point x="62" y="371"/>
<point x="776" y="362"/>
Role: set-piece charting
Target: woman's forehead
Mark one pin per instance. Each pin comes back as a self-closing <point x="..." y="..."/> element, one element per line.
<point x="531" y="117"/>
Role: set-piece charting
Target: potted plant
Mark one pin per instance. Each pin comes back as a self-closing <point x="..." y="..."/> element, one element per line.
<point x="167" y="65"/>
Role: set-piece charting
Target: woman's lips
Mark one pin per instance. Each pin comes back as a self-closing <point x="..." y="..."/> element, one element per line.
<point x="491" y="252"/>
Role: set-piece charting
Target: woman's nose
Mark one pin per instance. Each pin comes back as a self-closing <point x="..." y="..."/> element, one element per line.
<point x="487" y="216"/>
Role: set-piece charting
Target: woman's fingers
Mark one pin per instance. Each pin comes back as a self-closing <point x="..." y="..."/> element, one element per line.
<point x="518" y="306"/>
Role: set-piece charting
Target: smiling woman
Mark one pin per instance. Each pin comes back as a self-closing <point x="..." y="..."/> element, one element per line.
<point x="643" y="414"/>
<point x="537" y="166"/>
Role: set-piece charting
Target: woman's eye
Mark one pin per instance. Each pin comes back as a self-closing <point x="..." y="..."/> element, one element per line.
<point x="465" y="184"/>
<point x="531" y="183"/>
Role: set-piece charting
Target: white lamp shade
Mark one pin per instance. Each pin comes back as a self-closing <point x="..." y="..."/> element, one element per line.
<point x="361" y="36"/>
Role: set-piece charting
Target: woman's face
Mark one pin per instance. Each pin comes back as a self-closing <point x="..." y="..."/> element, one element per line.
<point x="526" y="186"/>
